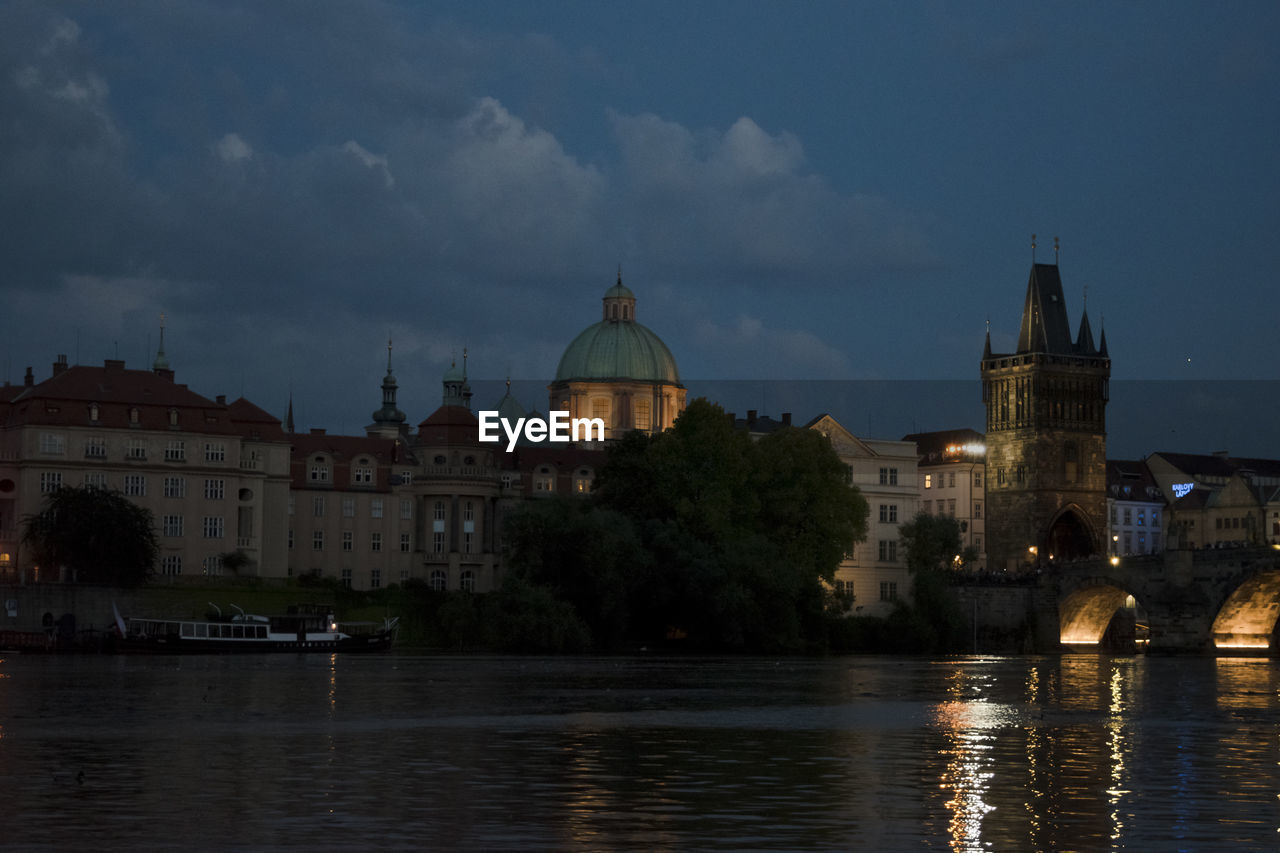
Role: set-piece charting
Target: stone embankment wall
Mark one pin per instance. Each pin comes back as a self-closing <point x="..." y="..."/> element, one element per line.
<point x="1008" y="618"/>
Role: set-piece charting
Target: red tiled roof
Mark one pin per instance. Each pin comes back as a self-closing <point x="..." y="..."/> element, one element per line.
<point x="449" y="426"/>
<point x="64" y="400"/>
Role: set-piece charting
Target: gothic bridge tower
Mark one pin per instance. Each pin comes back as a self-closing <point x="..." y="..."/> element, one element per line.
<point x="1046" y="435"/>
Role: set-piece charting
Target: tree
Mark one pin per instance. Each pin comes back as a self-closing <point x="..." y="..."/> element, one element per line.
<point x="931" y="541"/>
<point x="99" y="535"/>
<point x="740" y="535"/>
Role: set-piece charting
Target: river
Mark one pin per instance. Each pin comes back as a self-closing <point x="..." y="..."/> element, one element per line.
<point x="411" y="751"/>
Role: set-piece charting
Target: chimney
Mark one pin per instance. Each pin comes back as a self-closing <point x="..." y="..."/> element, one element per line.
<point x="221" y="399"/>
<point x="60" y="365"/>
<point x="751" y="416"/>
<point x="786" y="419"/>
<point x="29" y="379"/>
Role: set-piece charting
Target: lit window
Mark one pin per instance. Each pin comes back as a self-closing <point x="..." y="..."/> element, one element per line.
<point x="928" y="481"/>
<point x="643" y="418"/>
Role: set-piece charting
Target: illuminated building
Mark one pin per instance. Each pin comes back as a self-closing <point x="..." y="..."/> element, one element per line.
<point x="952" y="475"/>
<point x="619" y="371"/>
<point x="1135" y="509"/>
<point x="1046" y="435"/>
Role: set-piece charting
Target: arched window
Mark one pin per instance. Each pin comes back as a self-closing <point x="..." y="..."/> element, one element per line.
<point x="467" y="582"/>
<point x="438" y="580"/>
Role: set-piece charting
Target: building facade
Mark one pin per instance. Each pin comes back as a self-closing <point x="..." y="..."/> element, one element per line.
<point x="952" y="480"/>
<point x="1045" y="435"/>
<point x="215" y="475"/>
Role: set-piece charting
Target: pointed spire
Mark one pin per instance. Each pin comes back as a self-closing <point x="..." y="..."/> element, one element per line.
<point x="1084" y="340"/>
<point x="162" y="361"/>
<point x="288" y="418"/>
<point x="1102" y="344"/>
<point x="387" y="420"/>
<point x="1056" y="248"/>
<point x="986" y="350"/>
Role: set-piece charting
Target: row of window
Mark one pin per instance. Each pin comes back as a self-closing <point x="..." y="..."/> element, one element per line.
<point x="319" y="505"/>
<point x="947" y="479"/>
<point x="95" y="447"/>
<point x="947" y="506"/>
<point x="1125" y="544"/>
<point x="348" y="541"/>
<point x="171" y="564"/>
<point x="135" y="485"/>
<point x="1129" y="516"/>
<point x="439" y="579"/>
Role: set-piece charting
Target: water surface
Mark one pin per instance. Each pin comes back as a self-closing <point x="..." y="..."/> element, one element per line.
<point x="401" y="751"/>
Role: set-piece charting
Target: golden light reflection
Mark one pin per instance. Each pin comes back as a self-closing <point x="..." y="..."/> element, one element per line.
<point x="969" y="723"/>
<point x="1242" y="644"/>
<point x="1116" y="747"/>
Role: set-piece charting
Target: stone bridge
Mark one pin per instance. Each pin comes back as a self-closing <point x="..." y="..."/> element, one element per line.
<point x="1193" y="601"/>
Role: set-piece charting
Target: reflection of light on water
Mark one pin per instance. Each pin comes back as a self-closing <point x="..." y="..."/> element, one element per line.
<point x="969" y="724"/>
<point x="1115" y="743"/>
<point x="1243" y="644"/>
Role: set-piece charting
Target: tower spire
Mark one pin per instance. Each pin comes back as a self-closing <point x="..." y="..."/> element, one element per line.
<point x="1056" y="248"/>
<point x="162" y="361"/>
<point x="1033" y="248"/>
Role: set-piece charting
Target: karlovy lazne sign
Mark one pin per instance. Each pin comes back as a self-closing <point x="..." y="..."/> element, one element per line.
<point x="558" y="426"/>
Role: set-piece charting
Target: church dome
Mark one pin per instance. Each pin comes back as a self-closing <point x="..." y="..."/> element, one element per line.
<point x="618" y="347"/>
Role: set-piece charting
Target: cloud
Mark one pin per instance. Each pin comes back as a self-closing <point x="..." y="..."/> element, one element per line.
<point x="774" y="353"/>
<point x="232" y="148"/>
<point x="741" y="202"/>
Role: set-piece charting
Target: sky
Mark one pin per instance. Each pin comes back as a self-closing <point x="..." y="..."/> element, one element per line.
<point x="795" y="191"/>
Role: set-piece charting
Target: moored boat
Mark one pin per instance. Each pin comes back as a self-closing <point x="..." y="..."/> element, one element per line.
<point x="298" y="631"/>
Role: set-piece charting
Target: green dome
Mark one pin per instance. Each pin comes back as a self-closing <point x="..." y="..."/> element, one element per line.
<point x="615" y="350"/>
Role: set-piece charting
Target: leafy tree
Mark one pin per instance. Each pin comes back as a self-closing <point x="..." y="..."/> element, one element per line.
<point x="931" y="541"/>
<point x="582" y="554"/>
<point x="99" y="535"/>
<point x="739" y="534"/>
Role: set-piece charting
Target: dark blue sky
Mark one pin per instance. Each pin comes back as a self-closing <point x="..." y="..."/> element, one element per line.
<point x="827" y="191"/>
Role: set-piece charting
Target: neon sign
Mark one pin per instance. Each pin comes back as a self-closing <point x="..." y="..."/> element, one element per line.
<point x="1181" y="490"/>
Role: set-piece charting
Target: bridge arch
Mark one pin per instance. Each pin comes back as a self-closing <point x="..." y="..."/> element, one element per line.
<point x="1247" y="619"/>
<point x="1070" y="535"/>
<point x="1086" y="612"/>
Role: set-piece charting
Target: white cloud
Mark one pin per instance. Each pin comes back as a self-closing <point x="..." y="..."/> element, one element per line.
<point x="370" y="160"/>
<point x="741" y="201"/>
<point x="232" y="149"/>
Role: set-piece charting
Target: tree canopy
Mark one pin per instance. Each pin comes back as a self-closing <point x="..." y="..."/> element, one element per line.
<point x="99" y="535"/>
<point x="700" y="532"/>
